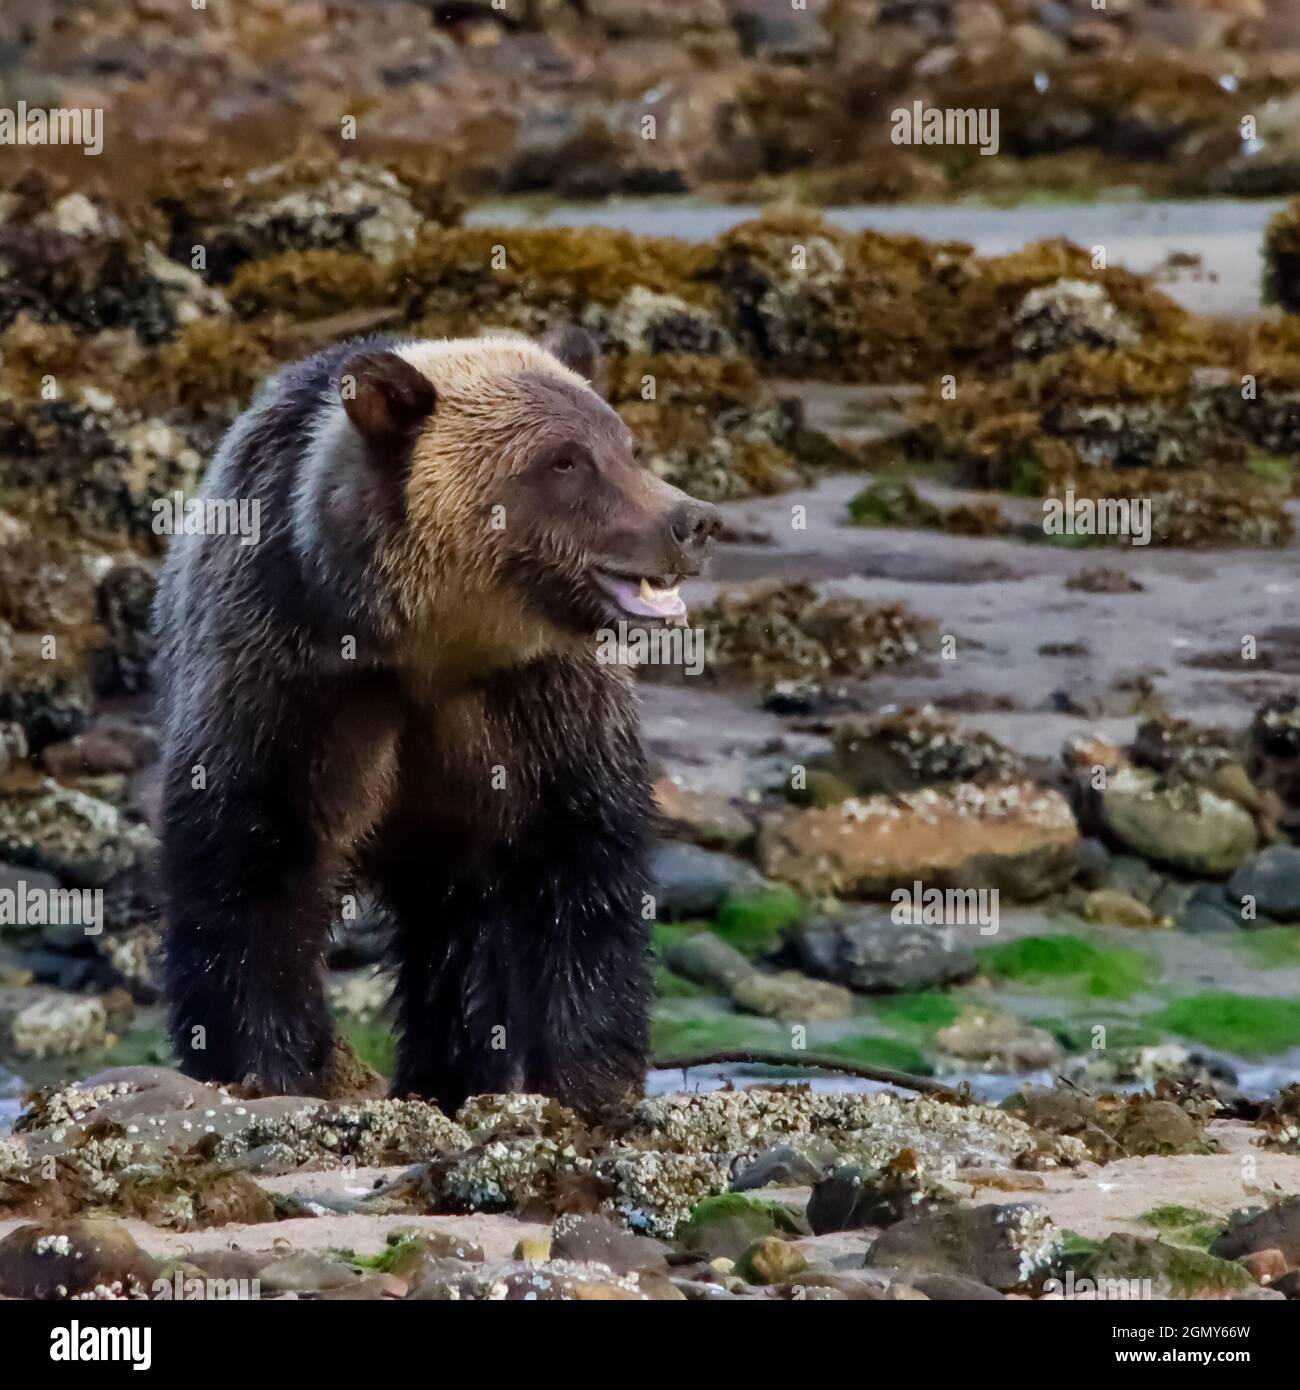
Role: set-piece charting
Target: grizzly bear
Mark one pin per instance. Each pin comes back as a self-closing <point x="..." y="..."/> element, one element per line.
<point x="395" y="682"/>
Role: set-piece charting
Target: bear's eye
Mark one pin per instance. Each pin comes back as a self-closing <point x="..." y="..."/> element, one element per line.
<point x="564" y="464"/>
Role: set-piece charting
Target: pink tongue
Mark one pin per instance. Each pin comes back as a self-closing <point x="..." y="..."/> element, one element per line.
<point x="627" y="594"/>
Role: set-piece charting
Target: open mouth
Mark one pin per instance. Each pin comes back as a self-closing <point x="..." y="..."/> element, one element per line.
<point x="642" y="596"/>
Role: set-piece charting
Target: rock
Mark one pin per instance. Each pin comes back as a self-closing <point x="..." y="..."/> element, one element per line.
<point x="998" y="1042"/>
<point x="857" y="1285"/>
<point x="688" y="881"/>
<point x="535" y="1249"/>
<point x="867" y="950"/>
<point x="22" y="882"/>
<point x="791" y="997"/>
<point x="953" y="1288"/>
<point x="656" y="18"/>
<point x="1126" y="873"/>
<point x="1151" y="1269"/>
<point x="1207" y="913"/>
<point x="1017" y="838"/>
<point x="708" y="960"/>
<point x="1069" y="313"/>
<point x="908" y="751"/>
<point x="1114" y="1127"/>
<point x="776" y="631"/>
<point x="305" y="1272"/>
<point x="775" y="30"/>
<point x="69" y="1259"/>
<point x="1273" y="756"/>
<point x="1094" y="861"/>
<point x="48" y="700"/>
<point x="1264" y="1266"/>
<point x="785" y="1165"/>
<point x="851" y="1198"/>
<point x="92" y="754"/>
<point x="1110" y="905"/>
<point x="1173" y="899"/>
<point x="712" y="962"/>
<point x="55" y="1025"/>
<point x="1160" y="1127"/>
<point x="704" y="818"/>
<point x="646" y="322"/>
<point x="1003" y="1247"/>
<point x="13" y="744"/>
<point x="84" y="841"/>
<point x="771" y="1260"/>
<point x="597" y="1238"/>
<point x="1185" y="826"/>
<point x="124" y="609"/>
<point x="729" y="1224"/>
<point x="1272" y="880"/>
<point x="1277" y="1227"/>
<point x="555" y="1281"/>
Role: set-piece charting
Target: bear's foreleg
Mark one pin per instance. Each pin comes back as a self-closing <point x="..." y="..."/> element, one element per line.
<point x="526" y="969"/>
<point x="255" y="840"/>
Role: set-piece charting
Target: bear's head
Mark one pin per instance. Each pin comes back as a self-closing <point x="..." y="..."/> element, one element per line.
<point x="523" y="507"/>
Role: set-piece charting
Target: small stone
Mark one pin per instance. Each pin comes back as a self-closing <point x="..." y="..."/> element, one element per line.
<point x="770" y="1261"/>
<point x="1272" y="880"/>
<point x="704" y="818"/>
<point x="1110" y="905"/>
<point x="534" y="1248"/>
<point x="305" y="1272"/>
<point x="998" y="1042"/>
<point x="688" y="881"/>
<point x="1264" y="1266"/>
<point x="866" y="949"/>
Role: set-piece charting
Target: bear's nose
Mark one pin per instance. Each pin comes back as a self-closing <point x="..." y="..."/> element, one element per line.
<point x="693" y="527"/>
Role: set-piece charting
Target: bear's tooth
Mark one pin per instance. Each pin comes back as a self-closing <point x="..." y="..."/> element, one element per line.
<point x="647" y="593"/>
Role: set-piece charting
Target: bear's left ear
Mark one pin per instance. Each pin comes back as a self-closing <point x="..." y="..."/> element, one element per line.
<point x="385" y="397"/>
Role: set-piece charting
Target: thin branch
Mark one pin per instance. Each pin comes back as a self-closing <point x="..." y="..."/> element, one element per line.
<point x="820" y="1061"/>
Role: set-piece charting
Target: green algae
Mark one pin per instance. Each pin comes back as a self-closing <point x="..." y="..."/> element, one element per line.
<point x="755" y="923"/>
<point x="926" y="1011"/>
<point x="1121" y="1033"/>
<point x="673" y="1036"/>
<point x="373" y="1041"/>
<point x="875" y="1051"/>
<point x="1270" y="947"/>
<point x="1248" y="1025"/>
<point x="1184" y="1225"/>
<point x="1101" y="972"/>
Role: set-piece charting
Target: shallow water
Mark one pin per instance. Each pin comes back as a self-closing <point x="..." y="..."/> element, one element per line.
<point x="1225" y="233"/>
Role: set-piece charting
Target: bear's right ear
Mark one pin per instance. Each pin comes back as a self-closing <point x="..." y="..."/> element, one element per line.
<point x="575" y="347"/>
<point x="385" y="397"/>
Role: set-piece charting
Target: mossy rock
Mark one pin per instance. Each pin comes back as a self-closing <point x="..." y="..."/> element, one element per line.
<point x="1167" y="1271"/>
<point x="728" y="1225"/>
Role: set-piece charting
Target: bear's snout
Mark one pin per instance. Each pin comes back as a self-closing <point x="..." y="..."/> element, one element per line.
<point x="691" y="529"/>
